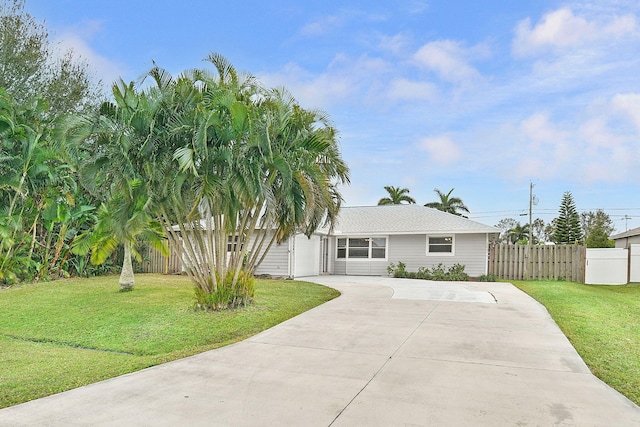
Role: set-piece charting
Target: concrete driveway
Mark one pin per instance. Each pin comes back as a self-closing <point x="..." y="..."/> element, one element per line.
<point x="388" y="352"/>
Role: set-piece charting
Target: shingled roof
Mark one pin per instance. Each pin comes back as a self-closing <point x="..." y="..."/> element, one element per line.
<point x="403" y="219"/>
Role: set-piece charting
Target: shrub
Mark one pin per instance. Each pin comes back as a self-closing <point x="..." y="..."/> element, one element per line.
<point x="439" y="272"/>
<point x="488" y="278"/>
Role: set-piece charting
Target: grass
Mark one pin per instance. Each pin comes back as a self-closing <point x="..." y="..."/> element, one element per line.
<point x="64" y="334"/>
<point x="602" y="323"/>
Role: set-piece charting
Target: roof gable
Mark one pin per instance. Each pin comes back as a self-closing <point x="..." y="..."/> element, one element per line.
<point x="403" y="219"/>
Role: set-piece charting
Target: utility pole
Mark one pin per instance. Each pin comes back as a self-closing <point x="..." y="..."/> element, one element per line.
<point x="530" y="212"/>
<point x="527" y="256"/>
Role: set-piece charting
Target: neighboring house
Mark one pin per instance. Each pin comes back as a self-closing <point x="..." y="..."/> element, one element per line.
<point x="624" y="240"/>
<point x="365" y="240"/>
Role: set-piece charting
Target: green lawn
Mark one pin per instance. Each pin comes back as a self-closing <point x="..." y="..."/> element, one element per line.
<point x="602" y="323"/>
<point x="59" y="335"/>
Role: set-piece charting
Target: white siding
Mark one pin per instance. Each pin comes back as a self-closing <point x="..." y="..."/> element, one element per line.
<point x="276" y="263"/>
<point x="470" y="251"/>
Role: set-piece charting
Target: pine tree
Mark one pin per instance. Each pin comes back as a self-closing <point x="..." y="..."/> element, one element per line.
<point x="568" y="229"/>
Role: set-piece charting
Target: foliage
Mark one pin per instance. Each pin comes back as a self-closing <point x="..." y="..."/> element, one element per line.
<point x="447" y="203"/>
<point x="74" y="332"/>
<point x="438" y="272"/>
<point x="33" y="69"/>
<point x="396" y="196"/>
<point x="602" y="323"/>
<point x="42" y="208"/>
<point x="505" y="225"/>
<point x="597" y="227"/>
<point x="567" y="225"/>
<point x="229" y="167"/>
<point x="488" y="278"/>
<point x="519" y="234"/>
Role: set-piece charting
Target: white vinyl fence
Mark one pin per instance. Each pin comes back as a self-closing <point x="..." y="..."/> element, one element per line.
<point x="634" y="260"/>
<point x="606" y="266"/>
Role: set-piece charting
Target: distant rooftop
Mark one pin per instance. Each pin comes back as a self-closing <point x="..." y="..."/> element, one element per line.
<point x="629" y="233"/>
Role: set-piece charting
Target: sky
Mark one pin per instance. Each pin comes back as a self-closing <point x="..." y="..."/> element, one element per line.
<point x="483" y="97"/>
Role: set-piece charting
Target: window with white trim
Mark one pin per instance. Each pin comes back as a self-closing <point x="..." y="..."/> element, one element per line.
<point x="440" y="245"/>
<point x="361" y="248"/>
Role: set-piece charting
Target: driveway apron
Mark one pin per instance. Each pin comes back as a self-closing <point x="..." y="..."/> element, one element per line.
<point x="387" y="352"/>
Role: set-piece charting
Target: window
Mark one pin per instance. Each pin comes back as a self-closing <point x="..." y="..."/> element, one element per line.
<point x="232" y="243"/>
<point x="440" y="245"/>
<point x="362" y="248"/>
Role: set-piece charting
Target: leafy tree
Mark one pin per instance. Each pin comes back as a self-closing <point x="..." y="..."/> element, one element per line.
<point x="229" y="167"/>
<point x="519" y="234"/>
<point x="567" y="226"/>
<point x="396" y="196"/>
<point x="111" y="149"/>
<point x="505" y="225"/>
<point x="597" y="227"/>
<point x="447" y="203"/>
<point x="538" y="230"/>
<point x="31" y="69"/>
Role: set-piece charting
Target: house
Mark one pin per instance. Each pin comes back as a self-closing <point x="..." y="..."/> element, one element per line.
<point x="366" y="239"/>
<point x="624" y="240"/>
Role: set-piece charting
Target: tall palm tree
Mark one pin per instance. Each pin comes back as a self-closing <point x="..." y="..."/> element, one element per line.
<point x="447" y="203"/>
<point x="253" y="167"/>
<point x="397" y="195"/>
<point x="113" y="149"/>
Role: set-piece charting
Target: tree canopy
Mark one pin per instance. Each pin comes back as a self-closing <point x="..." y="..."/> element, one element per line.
<point x="396" y="196"/>
<point x="32" y="68"/>
<point x="597" y="227"/>
<point x="447" y="203"/>
<point x="567" y="226"/>
<point x="230" y="167"/>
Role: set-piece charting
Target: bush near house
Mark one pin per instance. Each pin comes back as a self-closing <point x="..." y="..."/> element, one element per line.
<point x="439" y="272"/>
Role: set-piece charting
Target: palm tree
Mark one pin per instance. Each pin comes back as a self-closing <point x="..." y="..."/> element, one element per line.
<point x="397" y="195"/>
<point x="253" y="167"/>
<point x="124" y="220"/>
<point x="447" y="203"/>
<point x="519" y="233"/>
<point x="113" y="150"/>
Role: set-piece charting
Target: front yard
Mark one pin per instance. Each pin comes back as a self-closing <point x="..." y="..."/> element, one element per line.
<point x="602" y="323"/>
<point x="64" y="334"/>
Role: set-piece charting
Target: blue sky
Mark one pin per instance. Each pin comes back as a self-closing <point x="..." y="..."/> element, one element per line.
<point x="484" y="97"/>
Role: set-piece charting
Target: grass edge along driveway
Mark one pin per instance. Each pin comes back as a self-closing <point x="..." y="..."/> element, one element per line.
<point x="64" y="334"/>
<point x="602" y="323"/>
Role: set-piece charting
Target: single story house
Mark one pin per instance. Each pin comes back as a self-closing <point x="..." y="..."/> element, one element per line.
<point x="366" y="239"/>
<point x="624" y="240"/>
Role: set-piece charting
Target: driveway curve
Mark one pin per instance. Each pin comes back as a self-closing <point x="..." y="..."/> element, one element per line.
<point x="387" y="352"/>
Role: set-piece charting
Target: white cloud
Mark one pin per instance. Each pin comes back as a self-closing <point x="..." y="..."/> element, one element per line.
<point x="539" y="131"/>
<point x="449" y="60"/>
<point x="562" y="29"/>
<point x="395" y="45"/>
<point x="441" y="149"/>
<point x="77" y="39"/>
<point x="321" y="26"/>
<point x="629" y="105"/>
<point x="402" y="89"/>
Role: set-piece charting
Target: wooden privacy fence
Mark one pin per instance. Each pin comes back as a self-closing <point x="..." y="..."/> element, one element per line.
<point x="154" y="262"/>
<point x="544" y="262"/>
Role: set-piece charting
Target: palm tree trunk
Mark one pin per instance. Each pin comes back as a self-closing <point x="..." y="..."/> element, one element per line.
<point x="126" y="276"/>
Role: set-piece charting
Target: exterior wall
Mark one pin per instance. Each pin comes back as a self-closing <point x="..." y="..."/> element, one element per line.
<point x="626" y="242"/>
<point x="276" y="263"/>
<point x="470" y="250"/>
